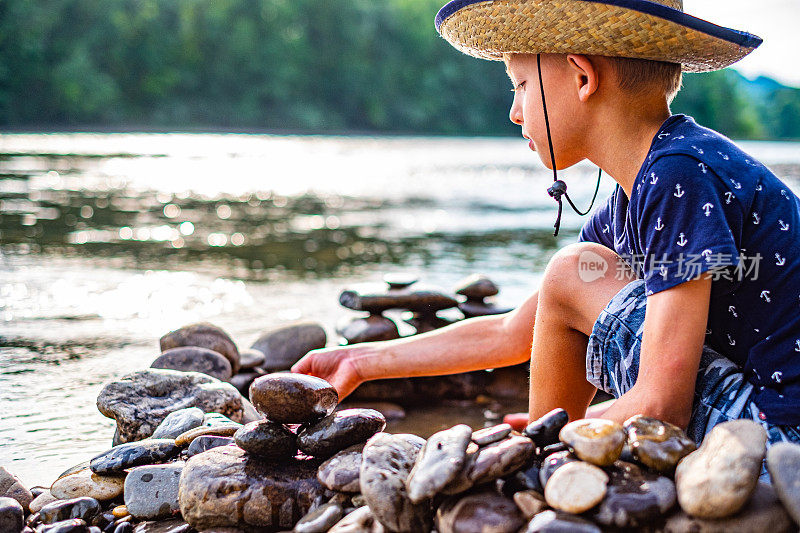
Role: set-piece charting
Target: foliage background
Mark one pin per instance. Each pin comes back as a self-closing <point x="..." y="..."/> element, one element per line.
<point x="325" y="66"/>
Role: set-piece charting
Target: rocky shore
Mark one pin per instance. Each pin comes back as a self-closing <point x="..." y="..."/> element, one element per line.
<point x="214" y="439"/>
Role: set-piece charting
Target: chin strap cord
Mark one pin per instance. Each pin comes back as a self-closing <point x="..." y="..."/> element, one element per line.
<point x="559" y="188"/>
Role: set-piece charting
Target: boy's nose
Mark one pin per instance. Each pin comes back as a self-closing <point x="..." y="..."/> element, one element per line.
<point x="515" y="113"/>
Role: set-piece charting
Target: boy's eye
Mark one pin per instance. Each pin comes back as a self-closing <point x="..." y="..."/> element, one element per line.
<point x="518" y="87"/>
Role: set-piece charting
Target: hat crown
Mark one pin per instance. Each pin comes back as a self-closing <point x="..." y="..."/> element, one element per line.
<point x="674" y="4"/>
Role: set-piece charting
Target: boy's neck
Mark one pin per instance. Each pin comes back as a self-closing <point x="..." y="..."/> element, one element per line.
<point x="622" y="138"/>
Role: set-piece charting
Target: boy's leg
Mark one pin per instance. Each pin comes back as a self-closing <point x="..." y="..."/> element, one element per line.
<point x="575" y="289"/>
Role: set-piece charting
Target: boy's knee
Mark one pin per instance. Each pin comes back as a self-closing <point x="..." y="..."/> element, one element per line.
<point x="578" y="263"/>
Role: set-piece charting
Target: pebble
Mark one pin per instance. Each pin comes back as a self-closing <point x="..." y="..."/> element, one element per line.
<point x="12" y="487"/>
<point x="500" y="459"/>
<point x="400" y="280"/>
<point x="12" y="516"/>
<point x="594" y="440"/>
<point x="763" y="512"/>
<point x="124" y="456"/>
<point x="553" y="462"/>
<point x="486" y="436"/>
<point x="195" y="359"/>
<point x="373" y="328"/>
<point x="178" y="422"/>
<point x="75" y="525"/>
<point x="359" y="521"/>
<point x="284" y="346"/>
<point x="217" y="430"/>
<point x="250" y="358"/>
<point x="783" y="463"/>
<point x="476" y="287"/>
<point x="206" y="442"/>
<point x="321" y="519"/>
<point x="293" y="398"/>
<point x="87" y="483"/>
<point x="576" y="487"/>
<point x="140" y="401"/>
<point x="376" y="301"/>
<point x="544" y="431"/>
<point x="656" y="444"/>
<point x="717" y="480"/>
<point x="266" y="439"/>
<point x="634" y="498"/>
<point x="175" y="525"/>
<point x="84" y="508"/>
<point x="120" y="511"/>
<point x="389" y="410"/>
<point x="41" y="500"/>
<point x="339" y="430"/>
<point x="524" y="479"/>
<point x="556" y="522"/>
<point x="342" y="471"/>
<point x="242" y="381"/>
<point x="227" y="487"/>
<point x="530" y="503"/>
<point x="204" y="335"/>
<point x="472" y="309"/>
<point x="484" y="511"/>
<point x="152" y="491"/>
<point x="387" y="462"/>
<point x="441" y="459"/>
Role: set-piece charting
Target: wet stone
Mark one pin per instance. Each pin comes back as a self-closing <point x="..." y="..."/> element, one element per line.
<point x="293" y="398"/>
<point x="552" y="463"/>
<point x="219" y="427"/>
<point x="425" y="322"/>
<point x="243" y="381"/>
<point x="473" y="309"/>
<point x="717" y="480"/>
<point x="227" y="487"/>
<point x="140" y="401"/>
<point x="783" y="463"/>
<point x="11" y="515"/>
<point x="341" y="472"/>
<point x="12" y="487"/>
<point x="479" y="512"/>
<point x="486" y="436"/>
<point x="544" y="431"/>
<point x="250" y="358"/>
<point x="375" y="300"/>
<point x="87" y="483"/>
<point x="195" y="359"/>
<point x="75" y="525"/>
<point x="42" y="500"/>
<point x="500" y="459"/>
<point x="525" y="479"/>
<point x="321" y="519"/>
<point x="178" y="422"/>
<point x="389" y="410"/>
<point x="204" y="335"/>
<point x="656" y="444"/>
<point x="124" y="456"/>
<point x="266" y="439"/>
<point x="530" y="503"/>
<point x="84" y="508"/>
<point x="387" y="462"/>
<point x="576" y="487"/>
<point x="558" y="522"/>
<point x="359" y="521"/>
<point x="441" y="459"/>
<point x="206" y="442"/>
<point x="175" y="525"/>
<point x="284" y="346"/>
<point x="339" y="430"/>
<point x="461" y="482"/>
<point x="476" y="287"/>
<point x="373" y="328"/>
<point x="597" y="441"/>
<point x="634" y="498"/>
<point x="152" y="491"/>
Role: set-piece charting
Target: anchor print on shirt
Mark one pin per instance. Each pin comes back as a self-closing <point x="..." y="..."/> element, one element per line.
<point x="731" y="341"/>
<point x="780" y="261"/>
<point x="653" y="178"/>
<point x="765" y="296"/>
<point x="736" y="184"/>
<point x="699" y="150"/>
<point x="678" y="191"/>
<point x="659" y="226"/>
<point x="797" y="342"/>
<point x="728" y="197"/>
<point x="784" y="226"/>
<point x="707" y="207"/>
<point x="706" y="254"/>
<point x="709" y="332"/>
<point x="777" y="376"/>
<point x="756" y="218"/>
<point x="723" y="156"/>
<point x="682" y="241"/>
<point x="732" y="310"/>
<point x="663" y="135"/>
<point x="760" y="187"/>
<point x="664" y="271"/>
<point x="703" y="167"/>
<point x="606" y="228"/>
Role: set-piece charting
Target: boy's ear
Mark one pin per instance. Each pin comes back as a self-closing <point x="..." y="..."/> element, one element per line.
<point x="586" y="75"/>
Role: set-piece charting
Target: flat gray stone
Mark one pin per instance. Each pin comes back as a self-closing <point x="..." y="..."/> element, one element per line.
<point x="321" y="519"/>
<point x="440" y="461"/>
<point x="140" y="401"/>
<point x="250" y="358"/>
<point x="783" y="463"/>
<point x="145" y="452"/>
<point x="84" y="508"/>
<point x="204" y="335"/>
<point x="152" y="491"/>
<point x="490" y="435"/>
<point x="342" y="471"/>
<point x="195" y="359"/>
<point x="178" y="422"/>
<point x="12" y="487"/>
<point x="203" y="443"/>
<point x="284" y="346"/>
<point x="339" y="430"/>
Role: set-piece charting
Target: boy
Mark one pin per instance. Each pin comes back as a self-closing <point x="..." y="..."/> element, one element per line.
<point x="693" y="256"/>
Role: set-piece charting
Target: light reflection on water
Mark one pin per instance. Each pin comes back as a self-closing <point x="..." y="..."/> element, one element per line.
<point x="108" y="241"/>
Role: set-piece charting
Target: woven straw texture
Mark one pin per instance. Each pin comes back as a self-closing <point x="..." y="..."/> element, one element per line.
<point x="489" y="29"/>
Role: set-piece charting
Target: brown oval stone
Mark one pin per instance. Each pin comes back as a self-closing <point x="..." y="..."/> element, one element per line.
<point x="293" y="398"/>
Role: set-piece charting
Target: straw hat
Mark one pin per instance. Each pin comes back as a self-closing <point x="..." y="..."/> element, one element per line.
<point x="657" y="30"/>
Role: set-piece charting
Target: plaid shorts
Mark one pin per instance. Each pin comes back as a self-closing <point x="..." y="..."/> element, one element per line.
<point x="721" y="394"/>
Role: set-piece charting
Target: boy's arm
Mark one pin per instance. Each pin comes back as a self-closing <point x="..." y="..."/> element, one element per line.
<point x="674" y="332"/>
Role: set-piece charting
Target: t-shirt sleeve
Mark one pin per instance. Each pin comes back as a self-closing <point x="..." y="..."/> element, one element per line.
<point x="599" y="226"/>
<point x="687" y="222"/>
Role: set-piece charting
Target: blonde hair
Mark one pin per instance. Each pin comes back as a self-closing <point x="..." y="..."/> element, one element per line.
<point x="639" y="75"/>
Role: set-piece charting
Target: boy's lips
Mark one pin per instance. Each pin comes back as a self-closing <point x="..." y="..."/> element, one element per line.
<point x="531" y="145"/>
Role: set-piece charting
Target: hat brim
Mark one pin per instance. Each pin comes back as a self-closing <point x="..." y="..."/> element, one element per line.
<point x="617" y="28"/>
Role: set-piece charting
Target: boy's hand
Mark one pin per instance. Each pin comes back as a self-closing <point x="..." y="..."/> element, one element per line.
<point x="334" y="365"/>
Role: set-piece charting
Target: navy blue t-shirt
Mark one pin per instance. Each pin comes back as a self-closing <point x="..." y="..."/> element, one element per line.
<point x="699" y="203"/>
